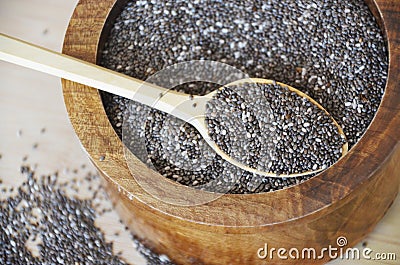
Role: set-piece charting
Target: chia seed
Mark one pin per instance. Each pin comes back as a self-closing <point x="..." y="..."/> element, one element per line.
<point x="331" y="50"/>
<point x="62" y="225"/>
<point x="44" y="224"/>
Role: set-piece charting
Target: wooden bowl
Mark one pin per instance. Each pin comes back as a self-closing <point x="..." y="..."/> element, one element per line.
<point x="346" y="200"/>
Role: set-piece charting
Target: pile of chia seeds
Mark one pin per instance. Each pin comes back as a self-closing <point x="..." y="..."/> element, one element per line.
<point x="331" y="50"/>
<point x="41" y="223"/>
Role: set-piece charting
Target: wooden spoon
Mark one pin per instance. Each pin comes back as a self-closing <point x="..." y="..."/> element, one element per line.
<point x="189" y="108"/>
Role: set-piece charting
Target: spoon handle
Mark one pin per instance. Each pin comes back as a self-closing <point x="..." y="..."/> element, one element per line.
<point x="38" y="58"/>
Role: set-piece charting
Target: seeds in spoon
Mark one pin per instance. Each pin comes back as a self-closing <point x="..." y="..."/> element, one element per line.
<point x="273" y="129"/>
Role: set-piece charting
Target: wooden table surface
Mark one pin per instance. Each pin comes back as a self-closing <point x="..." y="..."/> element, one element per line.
<point x="30" y="101"/>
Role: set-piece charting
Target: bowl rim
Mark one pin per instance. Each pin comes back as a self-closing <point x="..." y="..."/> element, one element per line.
<point x="320" y="194"/>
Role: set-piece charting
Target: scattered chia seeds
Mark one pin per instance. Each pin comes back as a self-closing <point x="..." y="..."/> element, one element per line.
<point x="43" y="223"/>
<point x="332" y="50"/>
<point x="273" y="129"/>
<point x="42" y="212"/>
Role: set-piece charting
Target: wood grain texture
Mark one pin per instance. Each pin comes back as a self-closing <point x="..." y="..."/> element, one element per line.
<point x="348" y="199"/>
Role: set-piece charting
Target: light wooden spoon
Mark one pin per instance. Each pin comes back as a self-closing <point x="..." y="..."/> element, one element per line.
<point x="189" y="108"/>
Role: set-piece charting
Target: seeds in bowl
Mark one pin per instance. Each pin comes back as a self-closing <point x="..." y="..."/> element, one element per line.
<point x="331" y="50"/>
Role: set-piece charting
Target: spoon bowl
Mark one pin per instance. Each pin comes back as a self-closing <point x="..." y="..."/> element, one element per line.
<point x="193" y="111"/>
